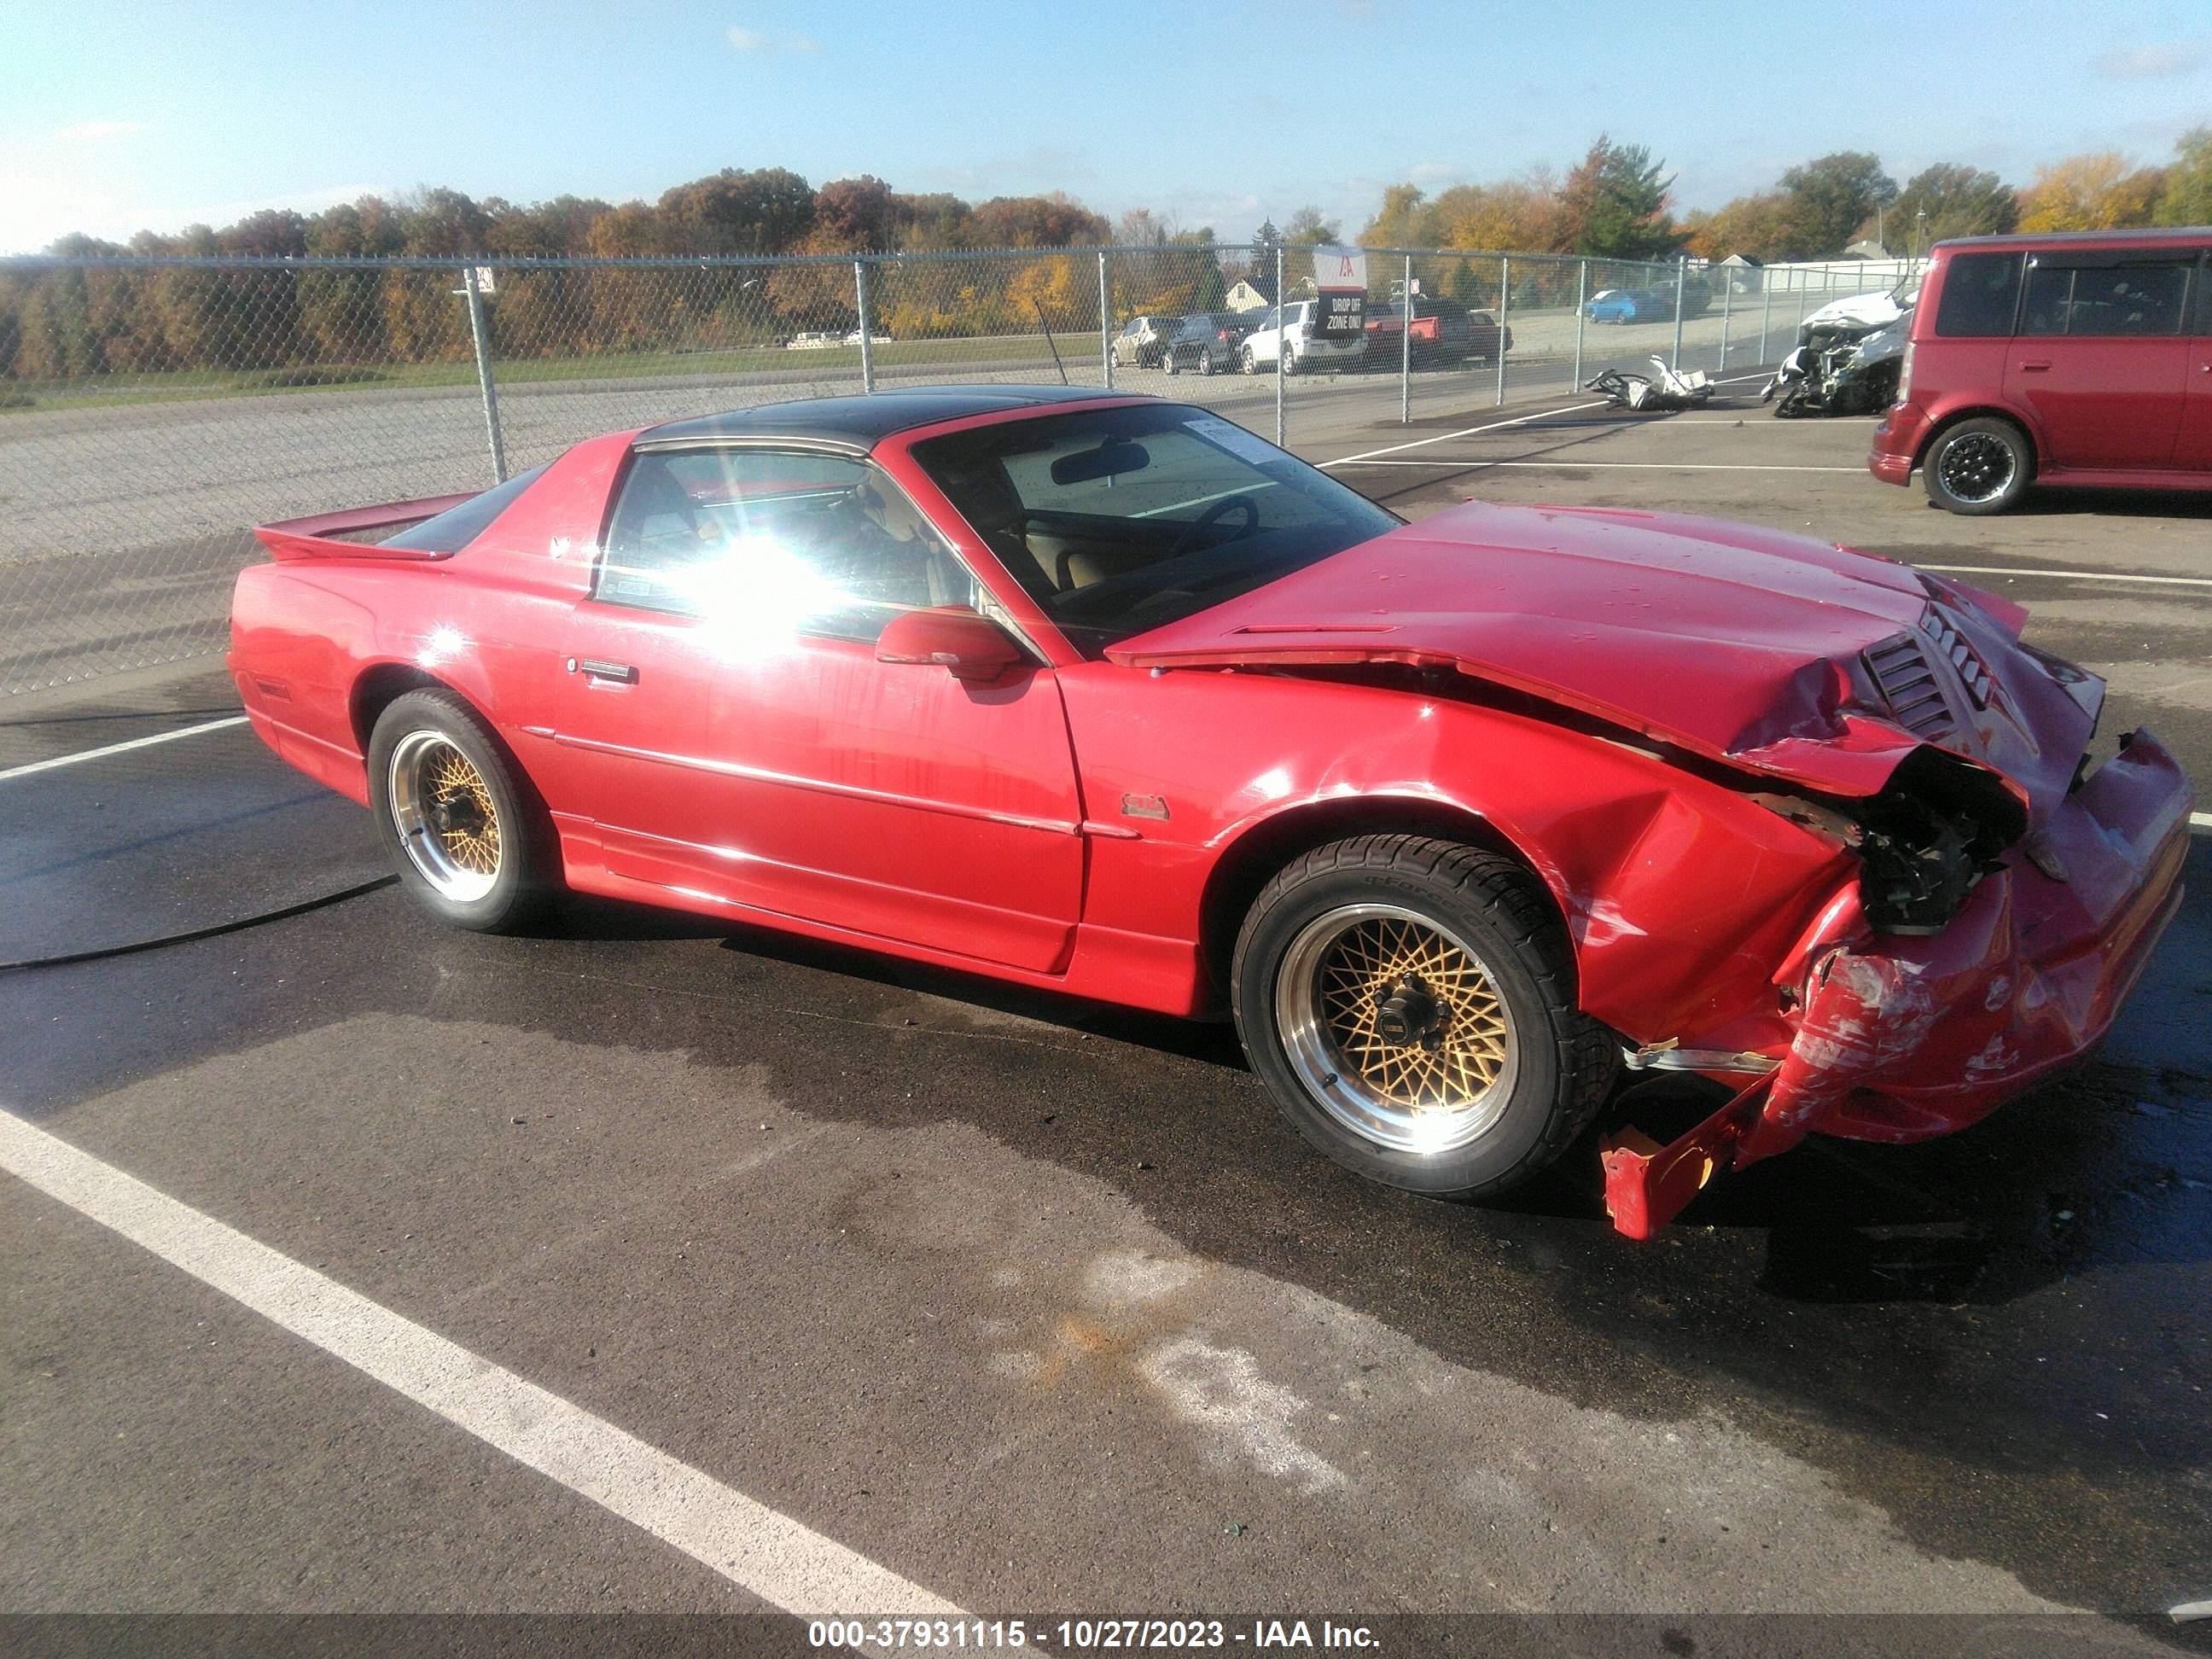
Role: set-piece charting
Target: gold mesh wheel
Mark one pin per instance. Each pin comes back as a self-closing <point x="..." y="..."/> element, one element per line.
<point x="1396" y="1027"/>
<point x="447" y="819"/>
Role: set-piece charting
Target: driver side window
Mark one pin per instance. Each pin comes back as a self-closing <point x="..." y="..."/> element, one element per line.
<point x="778" y="541"/>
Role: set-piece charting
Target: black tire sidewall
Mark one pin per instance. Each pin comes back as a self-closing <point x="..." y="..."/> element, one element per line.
<point x="2023" y="457"/>
<point x="518" y="888"/>
<point x="1494" y="1156"/>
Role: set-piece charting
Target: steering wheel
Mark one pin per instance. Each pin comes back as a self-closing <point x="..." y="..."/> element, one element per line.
<point x="1220" y="510"/>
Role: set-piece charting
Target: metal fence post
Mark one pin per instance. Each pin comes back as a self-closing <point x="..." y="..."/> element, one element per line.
<point x="483" y="373"/>
<point x="1406" y="347"/>
<point x="1279" y="353"/>
<point x="1682" y="282"/>
<point x="1581" y="309"/>
<point x="1766" y="311"/>
<point x="1504" y="309"/>
<point x="1105" y="327"/>
<point x="867" y="329"/>
<point x="1727" y="288"/>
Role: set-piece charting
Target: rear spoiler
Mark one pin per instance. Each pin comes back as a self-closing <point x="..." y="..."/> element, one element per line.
<point x="315" y="536"/>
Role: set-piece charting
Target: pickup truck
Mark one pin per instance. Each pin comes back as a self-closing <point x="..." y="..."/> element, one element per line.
<point x="1444" y="330"/>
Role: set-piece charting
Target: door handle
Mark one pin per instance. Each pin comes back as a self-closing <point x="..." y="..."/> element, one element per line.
<point x="2036" y="365"/>
<point x="599" y="669"/>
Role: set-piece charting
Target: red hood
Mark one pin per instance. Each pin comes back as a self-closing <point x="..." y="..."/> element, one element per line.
<point x="1736" y="642"/>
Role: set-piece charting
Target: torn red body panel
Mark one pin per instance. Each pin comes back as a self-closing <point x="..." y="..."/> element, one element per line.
<point x="1905" y="1038"/>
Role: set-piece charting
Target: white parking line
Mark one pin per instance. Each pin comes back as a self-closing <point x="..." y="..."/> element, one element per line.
<point x="120" y="748"/>
<point x="1649" y="467"/>
<point x="1464" y="432"/>
<point x="2068" y="576"/>
<point x="755" y="1547"/>
<point x="1518" y="420"/>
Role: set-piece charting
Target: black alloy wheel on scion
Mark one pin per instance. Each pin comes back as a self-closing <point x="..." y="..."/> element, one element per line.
<point x="473" y="843"/>
<point x="1410" y="1004"/>
<point x="1168" y="360"/>
<point x="1978" y="467"/>
<point x="1206" y="360"/>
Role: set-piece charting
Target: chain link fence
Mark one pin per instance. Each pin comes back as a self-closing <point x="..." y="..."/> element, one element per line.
<point x="151" y="410"/>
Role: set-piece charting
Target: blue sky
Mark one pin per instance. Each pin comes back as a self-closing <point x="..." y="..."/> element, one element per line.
<point x="115" y="117"/>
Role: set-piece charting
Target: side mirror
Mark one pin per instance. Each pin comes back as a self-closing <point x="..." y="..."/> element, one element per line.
<point x="971" y="647"/>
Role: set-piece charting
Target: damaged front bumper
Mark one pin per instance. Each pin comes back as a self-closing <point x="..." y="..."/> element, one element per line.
<point x="1904" y="1037"/>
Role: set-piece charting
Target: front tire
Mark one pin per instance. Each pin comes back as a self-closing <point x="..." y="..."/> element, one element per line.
<point x="1978" y="467"/>
<point x="473" y="844"/>
<point x="1409" y="1003"/>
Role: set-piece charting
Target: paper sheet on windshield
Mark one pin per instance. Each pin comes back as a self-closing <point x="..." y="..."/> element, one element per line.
<point x="1222" y="434"/>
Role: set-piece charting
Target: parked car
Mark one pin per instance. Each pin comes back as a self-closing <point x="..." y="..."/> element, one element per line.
<point x="1325" y="333"/>
<point x="1207" y="342"/>
<point x="854" y="338"/>
<point x="814" y="340"/>
<point x="1649" y="305"/>
<point x="1444" y="330"/>
<point x="1141" y="340"/>
<point x="1108" y="696"/>
<point x="2059" y="359"/>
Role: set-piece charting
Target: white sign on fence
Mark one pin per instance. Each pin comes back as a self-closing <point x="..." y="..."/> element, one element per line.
<point x="1340" y="267"/>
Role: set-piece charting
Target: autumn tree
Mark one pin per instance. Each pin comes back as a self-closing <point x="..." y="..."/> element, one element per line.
<point x="2187" y="197"/>
<point x="732" y="212"/>
<point x="2100" y="192"/>
<point x="1959" y="201"/>
<point x="1309" y="229"/>
<point x="1830" y="197"/>
<point x="1614" y="204"/>
<point x="1758" y="226"/>
<point x="1406" y="219"/>
<point x="1053" y="221"/>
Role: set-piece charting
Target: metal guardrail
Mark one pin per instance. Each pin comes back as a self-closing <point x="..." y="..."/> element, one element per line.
<point x="151" y="409"/>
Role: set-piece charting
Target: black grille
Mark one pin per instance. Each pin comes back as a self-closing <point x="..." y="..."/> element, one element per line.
<point x="1902" y="669"/>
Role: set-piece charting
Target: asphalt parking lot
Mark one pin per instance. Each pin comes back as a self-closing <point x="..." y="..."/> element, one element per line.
<point x="1024" y="1304"/>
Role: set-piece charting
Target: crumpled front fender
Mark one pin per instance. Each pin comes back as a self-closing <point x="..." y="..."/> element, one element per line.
<point x="1906" y="1037"/>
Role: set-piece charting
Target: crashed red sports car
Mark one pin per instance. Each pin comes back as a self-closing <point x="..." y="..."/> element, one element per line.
<point x="1106" y="694"/>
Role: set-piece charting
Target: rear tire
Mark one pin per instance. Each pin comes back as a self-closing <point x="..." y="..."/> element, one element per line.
<point x="471" y="841"/>
<point x="1978" y="467"/>
<point x="1250" y="368"/>
<point x="1167" y="363"/>
<point x="1409" y="1003"/>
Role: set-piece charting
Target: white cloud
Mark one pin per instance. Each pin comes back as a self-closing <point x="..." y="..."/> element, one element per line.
<point x="760" y="41"/>
<point x="2161" y="62"/>
<point x="87" y="132"/>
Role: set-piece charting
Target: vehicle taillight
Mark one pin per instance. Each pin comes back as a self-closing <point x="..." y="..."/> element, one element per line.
<point x="1223" y="334"/>
<point x="1905" y="375"/>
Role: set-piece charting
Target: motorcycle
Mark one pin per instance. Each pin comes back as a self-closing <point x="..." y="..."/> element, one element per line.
<point x="1853" y="375"/>
<point x="1669" y="389"/>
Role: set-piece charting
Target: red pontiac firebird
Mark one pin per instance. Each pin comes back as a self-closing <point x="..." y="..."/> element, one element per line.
<point x="1105" y="694"/>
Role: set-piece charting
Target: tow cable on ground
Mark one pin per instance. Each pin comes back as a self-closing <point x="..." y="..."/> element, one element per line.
<point x="214" y="931"/>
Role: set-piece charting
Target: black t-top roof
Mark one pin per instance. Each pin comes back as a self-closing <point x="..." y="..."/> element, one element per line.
<point x="863" y="419"/>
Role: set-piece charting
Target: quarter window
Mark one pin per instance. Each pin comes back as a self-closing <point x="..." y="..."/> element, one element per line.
<point x="774" y="541"/>
<point x="1979" y="293"/>
<point x="2106" y="300"/>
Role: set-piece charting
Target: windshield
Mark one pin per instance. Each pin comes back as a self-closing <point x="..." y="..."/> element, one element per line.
<point x="1119" y="520"/>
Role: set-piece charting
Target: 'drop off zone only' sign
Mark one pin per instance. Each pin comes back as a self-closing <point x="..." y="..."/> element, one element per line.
<point x="1339" y="275"/>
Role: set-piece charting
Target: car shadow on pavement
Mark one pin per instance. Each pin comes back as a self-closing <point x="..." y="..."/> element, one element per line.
<point x="2093" y="1169"/>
